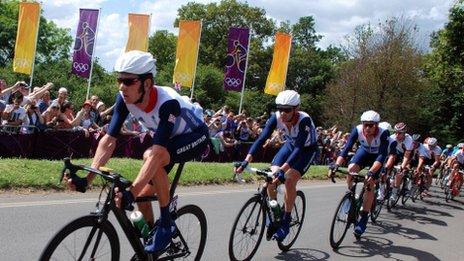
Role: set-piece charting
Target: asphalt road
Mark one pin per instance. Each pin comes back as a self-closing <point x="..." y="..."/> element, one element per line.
<point x="427" y="230"/>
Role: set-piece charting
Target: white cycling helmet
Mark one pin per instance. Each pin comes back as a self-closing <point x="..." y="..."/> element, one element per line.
<point x="432" y="141"/>
<point x="385" y="125"/>
<point x="136" y="62"/>
<point x="449" y="146"/>
<point x="371" y="116"/>
<point x="287" y="98"/>
<point x="460" y="145"/>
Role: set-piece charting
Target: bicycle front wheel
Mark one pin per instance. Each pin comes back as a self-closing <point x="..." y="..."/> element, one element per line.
<point x="84" y="239"/>
<point x="340" y="221"/>
<point x="247" y="230"/>
<point x="298" y="215"/>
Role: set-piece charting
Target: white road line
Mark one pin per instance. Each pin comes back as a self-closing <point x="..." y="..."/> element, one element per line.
<point x="197" y="193"/>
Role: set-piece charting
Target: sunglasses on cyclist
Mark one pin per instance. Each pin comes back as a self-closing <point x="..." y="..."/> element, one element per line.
<point x="368" y="125"/>
<point x="127" y="81"/>
<point x="285" y="109"/>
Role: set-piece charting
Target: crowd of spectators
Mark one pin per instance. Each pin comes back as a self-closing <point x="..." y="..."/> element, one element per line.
<point x="27" y="111"/>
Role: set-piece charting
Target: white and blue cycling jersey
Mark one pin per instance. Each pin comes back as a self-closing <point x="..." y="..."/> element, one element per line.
<point x="300" y="138"/>
<point x="378" y="146"/>
<point x="170" y="116"/>
<point x="405" y="145"/>
<point x="459" y="156"/>
<point x="425" y="151"/>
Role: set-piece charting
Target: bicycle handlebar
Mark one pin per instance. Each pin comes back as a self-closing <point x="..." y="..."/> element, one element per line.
<point x="72" y="169"/>
<point x="353" y="174"/>
<point x="267" y="174"/>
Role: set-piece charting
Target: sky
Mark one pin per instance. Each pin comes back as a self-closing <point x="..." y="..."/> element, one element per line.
<point x="335" y="19"/>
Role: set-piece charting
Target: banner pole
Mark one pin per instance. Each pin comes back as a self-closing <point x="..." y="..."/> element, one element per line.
<point x="93" y="55"/>
<point x="288" y="62"/>
<point x="244" y="76"/>
<point x="196" y="61"/>
<point x="35" y="53"/>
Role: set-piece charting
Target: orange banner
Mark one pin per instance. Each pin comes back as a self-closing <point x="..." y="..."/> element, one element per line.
<point x="139" y="25"/>
<point x="278" y="73"/>
<point x="26" y="37"/>
<point x="188" y="43"/>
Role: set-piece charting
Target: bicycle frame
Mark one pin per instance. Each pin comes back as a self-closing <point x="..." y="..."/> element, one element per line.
<point x="132" y="234"/>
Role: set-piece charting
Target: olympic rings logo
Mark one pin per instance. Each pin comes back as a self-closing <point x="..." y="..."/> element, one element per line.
<point x="22" y="62"/>
<point x="276" y="85"/>
<point x="80" y="67"/>
<point x="182" y="77"/>
<point x="235" y="82"/>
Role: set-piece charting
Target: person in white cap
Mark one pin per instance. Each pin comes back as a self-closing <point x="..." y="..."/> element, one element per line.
<point x="179" y="136"/>
<point x="372" y="152"/>
<point x="293" y="158"/>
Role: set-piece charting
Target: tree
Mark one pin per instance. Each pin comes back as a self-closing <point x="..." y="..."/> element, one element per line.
<point x="383" y="74"/>
<point x="53" y="43"/>
<point x="163" y="47"/>
<point x="445" y="68"/>
<point x="216" y="21"/>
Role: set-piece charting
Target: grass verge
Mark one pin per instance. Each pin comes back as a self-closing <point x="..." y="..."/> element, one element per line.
<point x="44" y="174"/>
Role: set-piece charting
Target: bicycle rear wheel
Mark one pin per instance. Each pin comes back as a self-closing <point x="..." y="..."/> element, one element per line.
<point x="298" y="215"/>
<point x="340" y="222"/>
<point x="247" y="230"/>
<point x="84" y="239"/>
<point x="189" y="244"/>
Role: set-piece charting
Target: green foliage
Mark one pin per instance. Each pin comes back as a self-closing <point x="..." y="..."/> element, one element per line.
<point x="445" y="68"/>
<point x="383" y="74"/>
<point x="216" y="21"/>
<point x="163" y="47"/>
<point x="52" y="43"/>
<point x="44" y="174"/>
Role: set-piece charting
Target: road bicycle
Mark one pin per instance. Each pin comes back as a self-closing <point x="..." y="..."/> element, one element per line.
<point x="93" y="236"/>
<point x="419" y="185"/>
<point x="453" y="189"/>
<point x="403" y="192"/>
<point x="256" y="215"/>
<point x="348" y="210"/>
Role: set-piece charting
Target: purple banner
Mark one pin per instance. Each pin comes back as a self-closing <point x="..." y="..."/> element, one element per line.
<point x="237" y="51"/>
<point x="84" y="43"/>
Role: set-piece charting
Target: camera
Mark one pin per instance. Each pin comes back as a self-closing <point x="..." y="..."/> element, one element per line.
<point x="25" y="85"/>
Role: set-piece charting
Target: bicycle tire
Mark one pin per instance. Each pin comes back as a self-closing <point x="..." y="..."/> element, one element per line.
<point x="257" y="228"/>
<point x="405" y="196"/>
<point x="297" y="220"/>
<point x="90" y="221"/>
<point x="376" y="209"/>
<point x="335" y="243"/>
<point x="197" y="221"/>
<point x="447" y="193"/>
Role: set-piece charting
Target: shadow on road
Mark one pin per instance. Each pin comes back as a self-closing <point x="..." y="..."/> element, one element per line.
<point x="388" y="226"/>
<point x="373" y="246"/>
<point x="303" y="254"/>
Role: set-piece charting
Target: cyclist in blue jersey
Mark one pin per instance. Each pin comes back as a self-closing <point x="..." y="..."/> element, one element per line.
<point x="372" y="152"/>
<point x="180" y="135"/>
<point x="389" y="162"/>
<point x="294" y="157"/>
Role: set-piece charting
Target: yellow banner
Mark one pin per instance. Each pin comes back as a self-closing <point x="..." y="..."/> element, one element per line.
<point x="26" y="37"/>
<point x="277" y="75"/>
<point x="188" y="43"/>
<point x="139" y="24"/>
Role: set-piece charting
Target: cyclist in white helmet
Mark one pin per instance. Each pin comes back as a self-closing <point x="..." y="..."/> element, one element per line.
<point x="372" y="152"/>
<point x="389" y="163"/>
<point x="429" y="154"/>
<point x="404" y="148"/>
<point x="180" y="135"/>
<point x="294" y="157"/>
